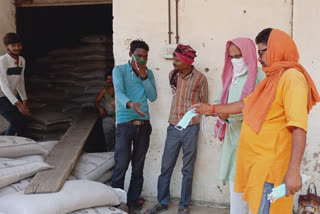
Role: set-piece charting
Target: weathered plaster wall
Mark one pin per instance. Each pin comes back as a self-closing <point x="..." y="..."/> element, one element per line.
<point x="306" y="34"/>
<point x="206" y="26"/>
<point x="7" y="17"/>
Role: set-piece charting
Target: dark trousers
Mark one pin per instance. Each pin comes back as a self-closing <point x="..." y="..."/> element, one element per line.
<point x="132" y="143"/>
<point x="96" y="141"/>
<point x="187" y="139"/>
<point x="13" y="116"/>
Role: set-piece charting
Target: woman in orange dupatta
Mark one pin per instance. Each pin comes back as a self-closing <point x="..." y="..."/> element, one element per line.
<point x="273" y="133"/>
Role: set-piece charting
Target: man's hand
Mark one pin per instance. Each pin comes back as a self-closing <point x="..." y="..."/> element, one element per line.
<point x="223" y="116"/>
<point x="202" y="108"/>
<point x="293" y="182"/>
<point x="136" y="108"/>
<point x="102" y="112"/>
<point x="292" y="179"/>
<point x="26" y="104"/>
<point x="140" y="69"/>
<point x="22" y="109"/>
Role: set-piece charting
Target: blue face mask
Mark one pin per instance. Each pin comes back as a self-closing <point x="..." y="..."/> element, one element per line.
<point x="280" y="191"/>
<point x="184" y="122"/>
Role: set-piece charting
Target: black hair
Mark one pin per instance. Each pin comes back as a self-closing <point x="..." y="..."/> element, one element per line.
<point x="263" y="36"/>
<point x="11" y="38"/>
<point x="108" y="73"/>
<point x="138" y="44"/>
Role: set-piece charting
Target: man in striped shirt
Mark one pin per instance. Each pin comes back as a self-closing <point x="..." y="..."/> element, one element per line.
<point x="189" y="86"/>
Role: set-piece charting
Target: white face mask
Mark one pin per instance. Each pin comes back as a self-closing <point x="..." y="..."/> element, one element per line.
<point x="239" y="68"/>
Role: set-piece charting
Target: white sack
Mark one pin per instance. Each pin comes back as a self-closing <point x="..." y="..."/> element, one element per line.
<point x="14" y="188"/>
<point x="91" y="166"/>
<point x="12" y="170"/>
<point x="74" y="195"/>
<point x="105" y="177"/>
<point x="39" y="158"/>
<point x="99" y="210"/>
<point x="13" y="146"/>
<point x="48" y="145"/>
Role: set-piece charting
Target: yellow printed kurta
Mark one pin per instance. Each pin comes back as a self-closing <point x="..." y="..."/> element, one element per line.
<point x="265" y="156"/>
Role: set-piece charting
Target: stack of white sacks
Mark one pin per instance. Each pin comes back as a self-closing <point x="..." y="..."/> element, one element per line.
<point x="85" y="191"/>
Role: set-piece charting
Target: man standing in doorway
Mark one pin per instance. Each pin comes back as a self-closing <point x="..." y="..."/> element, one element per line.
<point x="12" y="67"/>
<point x="134" y="85"/>
<point x="189" y="87"/>
<point x="273" y="133"/>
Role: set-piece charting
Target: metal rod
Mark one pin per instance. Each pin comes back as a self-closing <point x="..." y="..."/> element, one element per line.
<point x="177" y="22"/>
<point x="169" y="16"/>
<point x="292" y="18"/>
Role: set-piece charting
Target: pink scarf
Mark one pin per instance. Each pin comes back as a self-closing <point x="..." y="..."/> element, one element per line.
<point x="248" y="51"/>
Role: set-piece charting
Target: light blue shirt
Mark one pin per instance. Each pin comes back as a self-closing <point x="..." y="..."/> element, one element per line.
<point x="130" y="87"/>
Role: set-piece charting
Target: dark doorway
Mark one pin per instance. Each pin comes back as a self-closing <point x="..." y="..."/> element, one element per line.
<point x="68" y="50"/>
<point x="47" y="28"/>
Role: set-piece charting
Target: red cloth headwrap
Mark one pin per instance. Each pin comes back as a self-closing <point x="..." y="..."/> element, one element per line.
<point x="185" y="53"/>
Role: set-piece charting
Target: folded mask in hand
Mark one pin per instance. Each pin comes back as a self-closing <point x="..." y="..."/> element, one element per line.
<point x="184" y="122"/>
<point x="280" y="191"/>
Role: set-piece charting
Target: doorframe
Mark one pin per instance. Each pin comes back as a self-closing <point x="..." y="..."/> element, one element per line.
<point x="46" y="3"/>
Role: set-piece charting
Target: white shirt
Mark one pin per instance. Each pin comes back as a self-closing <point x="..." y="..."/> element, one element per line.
<point x="12" y="78"/>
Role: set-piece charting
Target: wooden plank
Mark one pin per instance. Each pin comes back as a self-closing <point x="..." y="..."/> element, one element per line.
<point x="46" y="3"/>
<point x="64" y="156"/>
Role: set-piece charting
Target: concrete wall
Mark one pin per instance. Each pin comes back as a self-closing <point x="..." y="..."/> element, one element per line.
<point x="7" y="17"/>
<point x="306" y="34"/>
<point x="206" y="26"/>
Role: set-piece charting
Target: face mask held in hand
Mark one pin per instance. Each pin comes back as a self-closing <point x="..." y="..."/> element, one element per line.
<point x="184" y="122"/>
<point x="280" y="191"/>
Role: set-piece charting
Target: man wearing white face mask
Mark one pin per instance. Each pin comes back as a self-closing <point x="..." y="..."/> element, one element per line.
<point x="239" y="78"/>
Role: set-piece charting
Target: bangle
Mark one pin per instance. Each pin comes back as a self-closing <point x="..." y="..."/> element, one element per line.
<point x="213" y="110"/>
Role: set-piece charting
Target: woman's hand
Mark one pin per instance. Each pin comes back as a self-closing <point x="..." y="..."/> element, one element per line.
<point x="202" y="108"/>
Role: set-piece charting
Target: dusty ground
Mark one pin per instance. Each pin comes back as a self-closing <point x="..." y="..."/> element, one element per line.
<point x="173" y="208"/>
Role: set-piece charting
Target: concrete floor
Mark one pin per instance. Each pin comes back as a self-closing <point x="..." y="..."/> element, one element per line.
<point x="173" y="208"/>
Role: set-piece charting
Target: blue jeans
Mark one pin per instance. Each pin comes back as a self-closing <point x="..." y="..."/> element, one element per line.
<point x="14" y="117"/>
<point x="265" y="203"/>
<point x="137" y="137"/>
<point x="187" y="139"/>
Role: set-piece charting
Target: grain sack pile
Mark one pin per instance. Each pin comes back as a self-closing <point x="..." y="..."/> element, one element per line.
<point x="95" y="167"/>
<point x="85" y="192"/>
<point x="67" y="81"/>
<point x="71" y="78"/>
<point x="45" y="125"/>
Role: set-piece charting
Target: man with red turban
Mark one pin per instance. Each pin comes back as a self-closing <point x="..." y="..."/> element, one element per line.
<point x="189" y="86"/>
